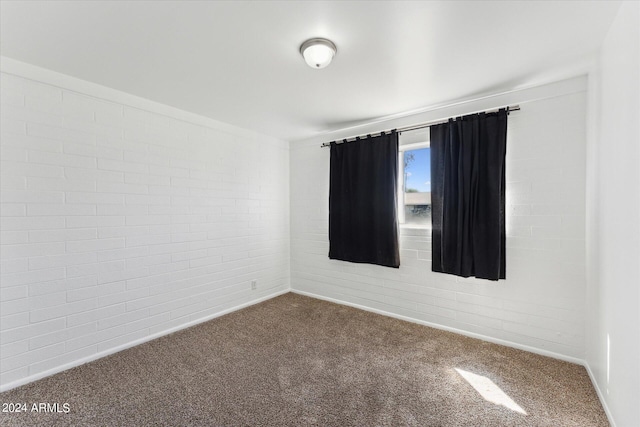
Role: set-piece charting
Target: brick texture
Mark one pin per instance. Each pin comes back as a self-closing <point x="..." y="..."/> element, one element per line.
<point x="539" y="306"/>
<point x="119" y="223"/>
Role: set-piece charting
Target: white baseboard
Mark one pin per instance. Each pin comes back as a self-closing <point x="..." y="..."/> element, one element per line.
<point x="26" y="380"/>
<point x="600" y="394"/>
<point x="449" y="329"/>
<point x="99" y="355"/>
<point x="478" y="336"/>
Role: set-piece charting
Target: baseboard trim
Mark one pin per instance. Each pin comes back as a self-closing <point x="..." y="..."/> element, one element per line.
<point x="478" y="336"/>
<point x="603" y="402"/>
<point x="79" y="362"/>
<point x="99" y="355"/>
<point x="447" y="328"/>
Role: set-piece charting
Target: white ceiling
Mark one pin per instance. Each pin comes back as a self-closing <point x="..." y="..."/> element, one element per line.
<point x="238" y="62"/>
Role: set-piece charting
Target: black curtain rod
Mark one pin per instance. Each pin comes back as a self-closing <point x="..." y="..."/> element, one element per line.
<point x="413" y="127"/>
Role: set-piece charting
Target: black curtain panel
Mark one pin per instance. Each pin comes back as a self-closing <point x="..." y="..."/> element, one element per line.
<point x="467" y="195"/>
<point x="363" y="224"/>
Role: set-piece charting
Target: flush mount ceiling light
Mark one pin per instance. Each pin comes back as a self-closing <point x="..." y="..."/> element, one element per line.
<point x="318" y="53"/>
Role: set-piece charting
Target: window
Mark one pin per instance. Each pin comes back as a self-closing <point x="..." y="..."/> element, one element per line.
<point x="414" y="186"/>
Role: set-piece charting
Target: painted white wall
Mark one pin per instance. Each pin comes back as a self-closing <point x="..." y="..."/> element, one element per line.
<point x="123" y="219"/>
<point x="540" y="306"/>
<point x="115" y="227"/>
<point x="613" y="301"/>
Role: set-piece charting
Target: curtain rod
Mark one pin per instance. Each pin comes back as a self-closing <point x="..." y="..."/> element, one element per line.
<point x="413" y="127"/>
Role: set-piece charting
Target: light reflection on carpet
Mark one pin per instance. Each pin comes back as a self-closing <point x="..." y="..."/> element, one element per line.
<point x="489" y="390"/>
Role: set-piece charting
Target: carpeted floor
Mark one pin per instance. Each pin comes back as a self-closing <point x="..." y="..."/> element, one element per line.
<point x="295" y="361"/>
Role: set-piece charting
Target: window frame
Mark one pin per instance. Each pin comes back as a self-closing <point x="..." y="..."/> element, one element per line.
<point x="401" y="190"/>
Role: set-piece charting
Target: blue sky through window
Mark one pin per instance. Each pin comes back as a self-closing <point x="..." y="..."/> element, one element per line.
<point x="418" y="172"/>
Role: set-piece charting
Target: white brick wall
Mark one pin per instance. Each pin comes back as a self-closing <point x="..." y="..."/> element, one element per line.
<point x="119" y="223"/>
<point x="541" y="304"/>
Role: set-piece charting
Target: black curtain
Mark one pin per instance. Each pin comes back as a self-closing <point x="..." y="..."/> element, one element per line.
<point x="363" y="224"/>
<point x="467" y="195"/>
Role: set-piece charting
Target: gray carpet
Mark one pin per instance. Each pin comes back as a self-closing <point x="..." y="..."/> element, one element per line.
<point x="295" y="361"/>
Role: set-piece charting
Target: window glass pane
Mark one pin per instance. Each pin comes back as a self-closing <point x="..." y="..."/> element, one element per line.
<point x="417" y="187"/>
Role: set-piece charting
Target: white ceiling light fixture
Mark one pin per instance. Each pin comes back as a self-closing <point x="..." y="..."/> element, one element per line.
<point x="318" y="53"/>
